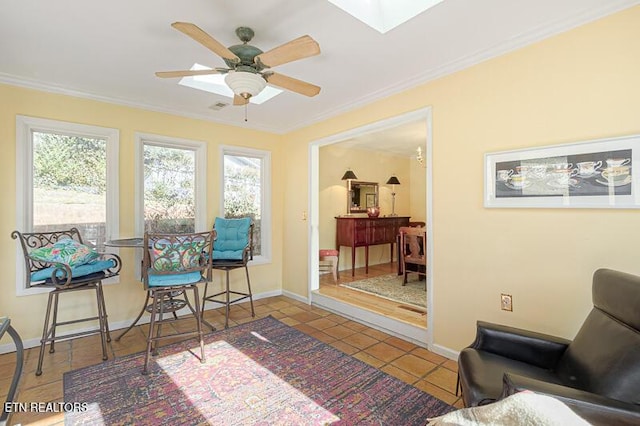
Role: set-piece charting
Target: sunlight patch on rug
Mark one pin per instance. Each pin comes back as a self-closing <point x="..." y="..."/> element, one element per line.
<point x="238" y="381"/>
<point x="390" y="287"/>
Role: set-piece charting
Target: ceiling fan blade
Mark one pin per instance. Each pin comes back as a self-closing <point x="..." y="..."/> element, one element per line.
<point x="205" y="39"/>
<point x="292" y="84"/>
<point x="239" y="100"/>
<point x="185" y="73"/>
<point x="300" y="48"/>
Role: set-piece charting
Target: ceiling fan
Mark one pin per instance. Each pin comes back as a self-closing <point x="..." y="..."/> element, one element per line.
<point x="248" y="69"/>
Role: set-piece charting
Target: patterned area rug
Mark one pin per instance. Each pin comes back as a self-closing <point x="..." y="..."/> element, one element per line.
<point x="263" y="372"/>
<point x="390" y="287"/>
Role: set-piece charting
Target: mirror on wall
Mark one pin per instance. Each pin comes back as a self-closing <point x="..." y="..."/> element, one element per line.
<point x="362" y="196"/>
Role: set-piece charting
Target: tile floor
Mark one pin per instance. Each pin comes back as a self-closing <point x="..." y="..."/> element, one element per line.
<point x="415" y="365"/>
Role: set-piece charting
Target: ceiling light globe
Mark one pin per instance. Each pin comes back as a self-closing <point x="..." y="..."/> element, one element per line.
<point x="245" y="84"/>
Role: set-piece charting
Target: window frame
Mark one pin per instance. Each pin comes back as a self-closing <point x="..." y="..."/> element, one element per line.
<point x="265" y="197"/>
<point x="200" y="150"/>
<point x="25" y="127"/>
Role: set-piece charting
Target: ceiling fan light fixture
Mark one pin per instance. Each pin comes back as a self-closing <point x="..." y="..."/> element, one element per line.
<point x="245" y="84"/>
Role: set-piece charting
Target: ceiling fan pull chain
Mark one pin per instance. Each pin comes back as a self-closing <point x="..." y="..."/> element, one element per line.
<point x="246" y="107"/>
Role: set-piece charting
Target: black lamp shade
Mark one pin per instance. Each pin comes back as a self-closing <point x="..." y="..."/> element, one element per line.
<point x="349" y="175"/>
<point x="393" y="181"/>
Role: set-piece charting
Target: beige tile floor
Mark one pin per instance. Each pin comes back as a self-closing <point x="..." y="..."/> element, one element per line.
<point x="412" y="364"/>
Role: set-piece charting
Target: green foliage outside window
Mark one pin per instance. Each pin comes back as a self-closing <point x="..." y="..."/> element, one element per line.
<point x="169" y="189"/>
<point x="69" y="162"/>
<point x="243" y="193"/>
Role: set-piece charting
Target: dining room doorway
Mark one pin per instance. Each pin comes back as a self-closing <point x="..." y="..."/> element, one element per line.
<point x="374" y="142"/>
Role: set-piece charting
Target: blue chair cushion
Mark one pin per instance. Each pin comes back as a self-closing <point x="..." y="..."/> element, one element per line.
<point x="78" y="271"/>
<point x="231" y="239"/>
<point x="166" y="280"/>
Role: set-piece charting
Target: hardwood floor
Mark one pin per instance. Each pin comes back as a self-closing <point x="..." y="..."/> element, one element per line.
<point x="404" y="360"/>
<point x="380" y="305"/>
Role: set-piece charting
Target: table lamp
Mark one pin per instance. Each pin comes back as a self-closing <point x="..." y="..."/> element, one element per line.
<point x="393" y="181"/>
<point x="349" y="176"/>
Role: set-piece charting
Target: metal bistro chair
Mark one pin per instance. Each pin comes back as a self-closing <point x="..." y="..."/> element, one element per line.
<point x="172" y="264"/>
<point x="5" y="327"/>
<point x="232" y="249"/>
<point x="59" y="261"/>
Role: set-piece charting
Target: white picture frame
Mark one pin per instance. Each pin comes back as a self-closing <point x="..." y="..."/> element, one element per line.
<point x="589" y="174"/>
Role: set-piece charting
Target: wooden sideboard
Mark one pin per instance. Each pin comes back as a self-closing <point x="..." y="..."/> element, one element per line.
<point x="367" y="231"/>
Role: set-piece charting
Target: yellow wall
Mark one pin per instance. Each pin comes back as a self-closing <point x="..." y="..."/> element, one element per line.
<point x="417" y="191"/>
<point x="580" y="85"/>
<point x="124" y="299"/>
<point x="368" y="166"/>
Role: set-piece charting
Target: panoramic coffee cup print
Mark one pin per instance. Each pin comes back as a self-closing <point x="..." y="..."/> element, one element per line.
<point x="597" y="174"/>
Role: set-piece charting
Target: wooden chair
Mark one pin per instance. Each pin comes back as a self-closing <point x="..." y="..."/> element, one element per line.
<point x="232" y="249"/>
<point x="172" y="264"/>
<point x="60" y="262"/>
<point x="329" y="262"/>
<point x="413" y="244"/>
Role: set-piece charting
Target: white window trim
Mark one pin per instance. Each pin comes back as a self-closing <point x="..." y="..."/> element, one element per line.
<point x="25" y="126"/>
<point x="265" y="201"/>
<point x="200" y="149"/>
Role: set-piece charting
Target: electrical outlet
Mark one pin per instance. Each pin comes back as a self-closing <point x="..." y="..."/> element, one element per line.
<point x="506" y="302"/>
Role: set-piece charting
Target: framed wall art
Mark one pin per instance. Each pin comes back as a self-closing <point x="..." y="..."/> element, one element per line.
<point x="590" y="174"/>
<point x="371" y="200"/>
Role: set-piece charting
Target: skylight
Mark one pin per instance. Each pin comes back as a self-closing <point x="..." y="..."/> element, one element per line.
<point x="384" y="15"/>
<point x="214" y="83"/>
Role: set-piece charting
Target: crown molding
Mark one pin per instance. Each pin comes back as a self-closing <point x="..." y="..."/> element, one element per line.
<point x="519" y="41"/>
<point x="12" y="80"/>
<point x="509" y="45"/>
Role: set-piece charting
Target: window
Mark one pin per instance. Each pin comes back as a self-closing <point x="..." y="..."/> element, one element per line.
<point x="171" y="185"/>
<point x="66" y="176"/>
<point x="246" y="180"/>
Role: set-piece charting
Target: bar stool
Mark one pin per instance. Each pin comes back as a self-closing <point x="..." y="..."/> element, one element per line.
<point x="173" y="264"/>
<point x="232" y="249"/>
<point x="59" y="261"/>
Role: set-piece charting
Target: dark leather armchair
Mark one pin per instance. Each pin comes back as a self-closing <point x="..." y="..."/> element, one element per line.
<point x="597" y="374"/>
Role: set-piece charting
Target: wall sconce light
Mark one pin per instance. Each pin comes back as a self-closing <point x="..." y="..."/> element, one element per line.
<point x="419" y="157"/>
<point x="393" y="181"/>
<point x="349" y="176"/>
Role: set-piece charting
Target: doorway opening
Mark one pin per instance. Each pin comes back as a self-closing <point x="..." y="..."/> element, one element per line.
<point x="388" y="147"/>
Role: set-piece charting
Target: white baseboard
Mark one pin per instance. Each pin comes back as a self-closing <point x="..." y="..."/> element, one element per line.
<point x="119" y="325"/>
<point x="414" y="334"/>
<point x="445" y="352"/>
<point x="295" y="296"/>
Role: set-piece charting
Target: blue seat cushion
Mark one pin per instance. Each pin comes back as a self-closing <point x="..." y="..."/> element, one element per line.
<point x="166" y="280"/>
<point x="78" y="271"/>
<point x="232" y="237"/>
